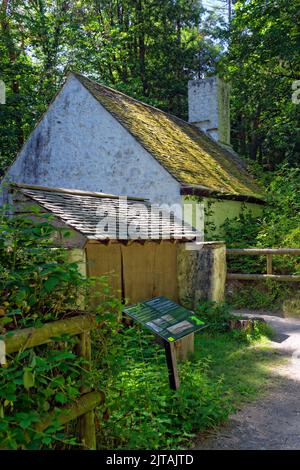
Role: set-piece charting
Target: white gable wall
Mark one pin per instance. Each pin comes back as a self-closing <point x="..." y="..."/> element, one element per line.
<point x="80" y="145"/>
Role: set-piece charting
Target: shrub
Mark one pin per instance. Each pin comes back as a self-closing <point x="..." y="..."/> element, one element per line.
<point x="215" y="315"/>
<point x="37" y="281"/>
<point x="38" y="284"/>
<point x="278" y="226"/>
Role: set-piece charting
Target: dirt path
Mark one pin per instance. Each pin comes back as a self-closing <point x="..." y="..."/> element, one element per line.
<point x="274" y="421"/>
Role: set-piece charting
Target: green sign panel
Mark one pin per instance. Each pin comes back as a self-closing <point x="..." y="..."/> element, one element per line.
<point x="165" y="318"/>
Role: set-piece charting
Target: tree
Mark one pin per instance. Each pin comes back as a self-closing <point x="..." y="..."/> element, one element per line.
<point x="32" y="34"/>
<point x="146" y="48"/>
<point x="262" y="63"/>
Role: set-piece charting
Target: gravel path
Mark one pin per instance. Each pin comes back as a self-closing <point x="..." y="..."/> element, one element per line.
<point x="273" y="422"/>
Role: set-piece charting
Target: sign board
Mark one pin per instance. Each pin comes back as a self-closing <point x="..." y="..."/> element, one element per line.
<point x="165" y="318"/>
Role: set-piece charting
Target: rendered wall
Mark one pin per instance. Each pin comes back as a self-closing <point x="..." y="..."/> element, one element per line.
<point x="79" y="145"/>
<point x="225" y="209"/>
<point x="208" y="212"/>
<point x="201" y="273"/>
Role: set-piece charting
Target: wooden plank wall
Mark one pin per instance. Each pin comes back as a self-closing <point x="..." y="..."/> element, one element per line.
<point x="105" y="260"/>
<point x="137" y="272"/>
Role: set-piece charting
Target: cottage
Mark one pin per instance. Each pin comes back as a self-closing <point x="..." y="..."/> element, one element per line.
<point x="142" y="251"/>
<point x="94" y="138"/>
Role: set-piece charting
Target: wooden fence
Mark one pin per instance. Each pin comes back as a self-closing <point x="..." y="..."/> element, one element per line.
<point x="83" y="408"/>
<point x="268" y="252"/>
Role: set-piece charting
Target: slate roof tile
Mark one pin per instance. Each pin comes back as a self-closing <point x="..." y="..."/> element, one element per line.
<point x="83" y="212"/>
<point x="187" y="153"/>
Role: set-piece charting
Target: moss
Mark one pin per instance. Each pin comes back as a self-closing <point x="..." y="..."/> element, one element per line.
<point x="186" y="152"/>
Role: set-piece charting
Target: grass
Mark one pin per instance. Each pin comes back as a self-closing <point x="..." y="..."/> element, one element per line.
<point x="141" y="412"/>
<point x="244" y="367"/>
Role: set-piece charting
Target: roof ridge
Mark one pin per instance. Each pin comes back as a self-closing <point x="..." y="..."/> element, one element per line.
<point x="74" y="192"/>
<point x="113" y="90"/>
<point x="228" y="161"/>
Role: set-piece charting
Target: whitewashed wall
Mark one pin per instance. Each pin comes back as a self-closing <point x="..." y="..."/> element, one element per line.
<point x="79" y="145"/>
<point x="209" y="107"/>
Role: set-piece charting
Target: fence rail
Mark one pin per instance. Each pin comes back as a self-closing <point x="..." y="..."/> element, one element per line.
<point x="29" y="337"/>
<point x="268" y="252"/>
<point x="83" y="408"/>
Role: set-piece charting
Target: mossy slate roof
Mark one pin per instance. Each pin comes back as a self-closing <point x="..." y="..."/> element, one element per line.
<point x="187" y="153"/>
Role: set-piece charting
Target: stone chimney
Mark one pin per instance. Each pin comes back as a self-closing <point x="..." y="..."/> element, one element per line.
<point x="209" y="110"/>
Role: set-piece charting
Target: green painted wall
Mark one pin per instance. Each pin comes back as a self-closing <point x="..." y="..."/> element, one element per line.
<point x="216" y="212"/>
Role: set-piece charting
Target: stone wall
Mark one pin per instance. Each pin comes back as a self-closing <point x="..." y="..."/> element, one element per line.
<point x="201" y="273"/>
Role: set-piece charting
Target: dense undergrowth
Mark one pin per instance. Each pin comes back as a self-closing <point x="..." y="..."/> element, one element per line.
<point x="277" y="227"/>
<point x="141" y="412"/>
<point x="38" y="284"/>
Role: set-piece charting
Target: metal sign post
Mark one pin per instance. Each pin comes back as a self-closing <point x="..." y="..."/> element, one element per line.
<point x="170" y="322"/>
<point x="172" y="365"/>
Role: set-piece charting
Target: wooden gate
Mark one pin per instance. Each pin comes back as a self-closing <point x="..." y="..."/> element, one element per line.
<point x="137" y="271"/>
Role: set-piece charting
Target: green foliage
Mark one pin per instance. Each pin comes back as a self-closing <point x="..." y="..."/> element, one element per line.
<point x="281" y="220"/>
<point x="33" y="382"/>
<point x="141" y="412"/>
<point x="263" y="295"/>
<point x="215" y="315"/>
<point x="262" y="329"/>
<point x="147" y="49"/>
<point x="257" y="330"/>
<point x="37" y="283"/>
<point x="262" y="63"/>
<point x="277" y="227"/>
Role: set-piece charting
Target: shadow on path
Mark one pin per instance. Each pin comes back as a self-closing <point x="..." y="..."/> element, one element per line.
<point x="272" y="422"/>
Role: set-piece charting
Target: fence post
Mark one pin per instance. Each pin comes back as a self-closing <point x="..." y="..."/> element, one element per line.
<point x="269" y="264"/>
<point x="83" y="408"/>
<point x="268" y="252"/>
<point x="86" y="422"/>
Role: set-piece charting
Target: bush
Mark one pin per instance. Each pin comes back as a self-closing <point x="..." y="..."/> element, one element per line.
<point x="34" y="382"/>
<point x="37" y="285"/>
<point x="215" y="315"/>
<point x="277" y="227"/>
<point x="37" y="281"/>
<point x="262" y="295"/>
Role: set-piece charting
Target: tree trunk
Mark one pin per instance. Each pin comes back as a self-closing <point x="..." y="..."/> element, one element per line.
<point x="12" y="56"/>
<point x="141" y="46"/>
